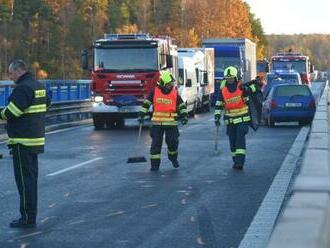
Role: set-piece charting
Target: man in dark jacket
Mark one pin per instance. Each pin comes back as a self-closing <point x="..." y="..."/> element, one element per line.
<point x="168" y="107"/>
<point x="25" y="116"/>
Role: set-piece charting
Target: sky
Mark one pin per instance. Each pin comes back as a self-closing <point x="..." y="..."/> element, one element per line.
<point x="292" y="16"/>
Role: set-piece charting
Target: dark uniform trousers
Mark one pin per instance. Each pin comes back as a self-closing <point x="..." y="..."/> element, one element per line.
<point x="26" y="175"/>
<point x="171" y="139"/>
<point x="236" y="133"/>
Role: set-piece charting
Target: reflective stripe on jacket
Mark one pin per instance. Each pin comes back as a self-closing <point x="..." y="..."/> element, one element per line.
<point x="165" y="106"/>
<point x="25" y="114"/>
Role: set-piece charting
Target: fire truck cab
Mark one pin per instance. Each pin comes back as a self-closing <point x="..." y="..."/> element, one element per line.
<point x="294" y="61"/>
<point x="125" y="69"/>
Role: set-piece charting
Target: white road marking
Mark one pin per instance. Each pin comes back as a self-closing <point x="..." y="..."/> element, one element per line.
<point x="74" y="167"/>
<point x="150" y="206"/>
<point x="51" y="132"/>
<point x="63" y="130"/>
<point x="116" y="213"/>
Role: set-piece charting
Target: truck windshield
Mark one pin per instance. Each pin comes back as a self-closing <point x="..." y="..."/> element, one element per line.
<point x="288" y="78"/>
<point x="221" y="63"/>
<point x="299" y="66"/>
<point x="126" y="59"/>
<point x="262" y="67"/>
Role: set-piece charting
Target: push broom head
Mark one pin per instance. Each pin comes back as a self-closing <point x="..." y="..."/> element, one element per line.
<point x="136" y="160"/>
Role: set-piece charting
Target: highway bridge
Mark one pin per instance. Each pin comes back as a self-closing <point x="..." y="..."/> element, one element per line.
<point x="90" y="197"/>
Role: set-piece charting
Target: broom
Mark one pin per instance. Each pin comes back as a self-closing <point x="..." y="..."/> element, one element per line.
<point x="137" y="159"/>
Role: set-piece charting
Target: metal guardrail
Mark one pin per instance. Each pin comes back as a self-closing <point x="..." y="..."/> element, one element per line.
<point x="305" y="220"/>
<point x="70" y="100"/>
<point x="59" y="90"/>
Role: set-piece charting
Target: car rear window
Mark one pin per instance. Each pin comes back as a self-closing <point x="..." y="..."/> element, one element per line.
<point x="287" y="78"/>
<point x="291" y="90"/>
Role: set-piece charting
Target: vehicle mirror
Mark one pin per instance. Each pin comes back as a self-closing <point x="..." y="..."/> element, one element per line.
<point x="169" y="61"/>
<point x="180" y="81"/>
<point x="188" y="83"/>
<point x="205" y="79"/>
<point x="84" y="59"/>
<point x="311" y="68"/>
<point x="267" y="68"/>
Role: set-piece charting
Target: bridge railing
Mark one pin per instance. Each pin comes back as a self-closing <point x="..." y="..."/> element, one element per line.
<point x="305" y="220"/>
<point x="59" y="90"/>
<point x="70" y="100"/>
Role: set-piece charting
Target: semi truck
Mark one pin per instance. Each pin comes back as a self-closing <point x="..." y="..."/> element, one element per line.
<point x="239" y="52"/>
<point x="203" y="63"/>
<point x="292" y="60"/>
<point x="124" y="70"/>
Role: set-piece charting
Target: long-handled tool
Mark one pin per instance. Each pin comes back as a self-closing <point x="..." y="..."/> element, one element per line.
<point x="216" y="151"/>
<point x="137" y="159"/>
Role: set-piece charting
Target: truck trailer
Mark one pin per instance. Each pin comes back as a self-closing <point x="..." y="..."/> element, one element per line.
<point x="240" y="53"/>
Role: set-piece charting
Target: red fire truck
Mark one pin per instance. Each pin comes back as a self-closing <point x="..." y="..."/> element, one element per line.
<point x="293" y="61"/>
<point x="125" y="70"/>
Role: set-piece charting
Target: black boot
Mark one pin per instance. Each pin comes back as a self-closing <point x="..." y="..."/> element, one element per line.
<point x="238" y="166"/>
<point x="175" y="164"/>
<point x="154" y="168"/>
<point x="154" y="165"/>
<point x="21" y="223"/>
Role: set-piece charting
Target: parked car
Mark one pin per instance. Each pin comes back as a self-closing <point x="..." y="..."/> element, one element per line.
<point x="286" y="103"/>
<point x="281" y="77"/>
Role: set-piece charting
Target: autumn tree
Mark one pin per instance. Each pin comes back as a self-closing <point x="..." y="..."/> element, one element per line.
<point x="49" y="34"/>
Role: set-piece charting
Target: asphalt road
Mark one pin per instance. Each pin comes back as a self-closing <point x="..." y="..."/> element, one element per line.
<point x="90" y="197"/>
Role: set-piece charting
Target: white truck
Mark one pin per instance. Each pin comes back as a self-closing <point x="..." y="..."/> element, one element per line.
<point x="203" y="62"/>
<point x="187" y="82"/>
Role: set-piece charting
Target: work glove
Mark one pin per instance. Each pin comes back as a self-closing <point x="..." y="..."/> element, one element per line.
<point x="141" y="119"/>
<point x="184" y="121"/>
<point x="217" y="121"/>
<point x="244" y="87"/>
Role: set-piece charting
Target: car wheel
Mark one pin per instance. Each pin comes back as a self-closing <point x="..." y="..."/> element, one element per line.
<point x="265" y="121"/>
<point x="271" y="122"/>
<point x="305" y="122"/>
<point x="193" y="111"/>
<point x="207" y="107"/>
<point x="199" y="108"/>
<point x="98" y="122"/>
<point x="120" y="123"/>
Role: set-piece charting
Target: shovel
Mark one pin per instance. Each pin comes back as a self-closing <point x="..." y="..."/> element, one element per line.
<point x="216" y="151"/>
<point x="137" y="159"/>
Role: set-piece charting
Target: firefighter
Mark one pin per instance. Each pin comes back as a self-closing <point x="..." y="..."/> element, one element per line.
<point x="168" y="108"/>
<point x="25" y="116"/>
<point x="233" y="99"/>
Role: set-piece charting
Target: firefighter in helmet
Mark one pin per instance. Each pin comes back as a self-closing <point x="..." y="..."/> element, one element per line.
<point x="233" y="100"/>
<point x="168" y="108"/>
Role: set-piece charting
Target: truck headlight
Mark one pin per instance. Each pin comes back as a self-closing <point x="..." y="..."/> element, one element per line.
<point x="98" y="99"/>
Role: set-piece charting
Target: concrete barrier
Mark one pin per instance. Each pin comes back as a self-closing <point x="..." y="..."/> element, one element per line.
<point x="305" y="220"/>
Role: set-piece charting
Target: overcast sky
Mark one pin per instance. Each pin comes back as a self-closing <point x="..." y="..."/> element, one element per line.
<point x="292" y="16"/>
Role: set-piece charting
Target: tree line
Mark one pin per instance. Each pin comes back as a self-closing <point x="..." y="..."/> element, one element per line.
<point x="49" y="34"/>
